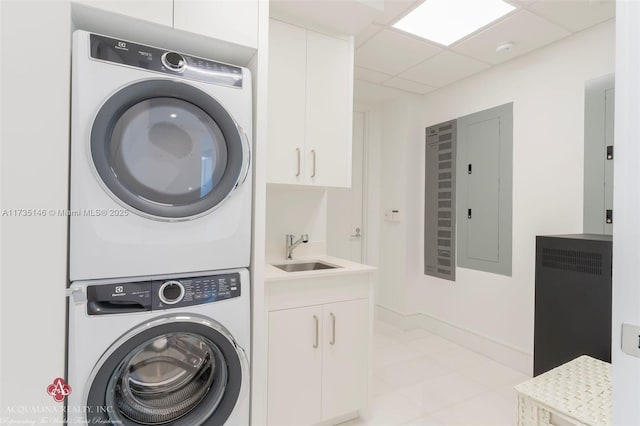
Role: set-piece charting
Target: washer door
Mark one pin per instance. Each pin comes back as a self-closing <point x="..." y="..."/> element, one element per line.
<point x="167" y="150"/>
<point x="173" y="371"/>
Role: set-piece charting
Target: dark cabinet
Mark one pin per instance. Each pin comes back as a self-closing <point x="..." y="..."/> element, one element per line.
<point x="572" y="299"/>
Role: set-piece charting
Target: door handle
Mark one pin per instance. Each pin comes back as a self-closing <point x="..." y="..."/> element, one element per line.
<point x="315" y="345"/>
<point x="357" y="234"/>
<point x="313" y="151"/>
<point x="333" y="328"/>
<point x="298" y="154"/>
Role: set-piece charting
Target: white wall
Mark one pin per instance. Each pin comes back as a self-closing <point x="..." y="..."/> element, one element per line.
<point x="34" y="153"/>
<point x="626" y="230"/>
<point x="547" y="89"/>
<point x="399" y="131"/>
<point x="293" y="209"/>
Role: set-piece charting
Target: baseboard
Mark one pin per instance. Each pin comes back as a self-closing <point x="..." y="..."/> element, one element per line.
<point x="501" y="352"/>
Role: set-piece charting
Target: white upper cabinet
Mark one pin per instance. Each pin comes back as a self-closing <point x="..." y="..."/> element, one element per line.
<point x="286" y="112"/>
<point x="229" y="20"/>
<point x="310" y="107"/>
<point x="232" y="21"/>
<point x="329" y="107"/>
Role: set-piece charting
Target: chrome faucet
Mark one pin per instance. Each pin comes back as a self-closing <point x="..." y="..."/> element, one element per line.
<point x="304" y="238"/>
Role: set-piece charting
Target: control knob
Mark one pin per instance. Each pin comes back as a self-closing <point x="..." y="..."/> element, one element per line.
<point x="174" y="61"/>
<point x="171" y="292"/>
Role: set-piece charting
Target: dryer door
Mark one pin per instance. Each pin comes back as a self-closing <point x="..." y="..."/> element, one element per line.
<point x="181" y="370"/>
<point x="166" y="150"/>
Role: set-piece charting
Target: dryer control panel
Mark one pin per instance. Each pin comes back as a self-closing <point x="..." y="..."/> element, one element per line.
<point x="154" y="295"/>
<point x="166" y="62"/>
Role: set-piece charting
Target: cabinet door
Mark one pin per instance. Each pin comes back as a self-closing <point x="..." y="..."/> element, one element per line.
<point x="329" y="110"/>
<point x="287" y="70"/>
<point x="345" y="350"/>
<point x="157" y="11"/>
<point x="233" y="21"/>
<point x="295" y="366"/>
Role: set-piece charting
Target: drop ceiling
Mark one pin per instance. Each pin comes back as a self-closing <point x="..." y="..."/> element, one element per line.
<point x="389" y="62"/>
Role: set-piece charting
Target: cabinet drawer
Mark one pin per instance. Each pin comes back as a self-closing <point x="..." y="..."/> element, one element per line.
<point x="316" y="291"/>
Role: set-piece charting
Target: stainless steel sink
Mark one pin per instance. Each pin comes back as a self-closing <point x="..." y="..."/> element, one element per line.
<point x="305" y="266"/>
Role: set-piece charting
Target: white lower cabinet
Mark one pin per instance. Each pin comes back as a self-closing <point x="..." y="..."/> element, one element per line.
<point x="318" y="362"/>
<point x="295" y="366"/>
<point x="344" y="357"/>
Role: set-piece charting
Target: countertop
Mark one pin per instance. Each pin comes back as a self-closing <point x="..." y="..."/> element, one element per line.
<point x="345" y="267"/>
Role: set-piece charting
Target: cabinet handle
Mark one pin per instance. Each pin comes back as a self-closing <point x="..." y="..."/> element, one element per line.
<point x="313" y="151"/>
<point x="298" y="153"/>
<point x="315" y="345"/>
<point x="333" y="328"/>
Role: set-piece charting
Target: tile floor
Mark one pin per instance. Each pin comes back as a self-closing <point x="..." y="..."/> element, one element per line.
<point x="422" y="379"/>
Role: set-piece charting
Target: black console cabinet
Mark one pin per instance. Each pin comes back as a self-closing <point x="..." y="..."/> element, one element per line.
<point x="573" y="299"/>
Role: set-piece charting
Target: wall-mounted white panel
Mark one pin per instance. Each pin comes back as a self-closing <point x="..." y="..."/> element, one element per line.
<point x="234" y="21"/>
<point x="156" y="11"/>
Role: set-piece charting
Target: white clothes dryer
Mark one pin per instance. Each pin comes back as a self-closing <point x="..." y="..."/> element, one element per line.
<point x="160" y="161"/>
<point x="171" y="350"/>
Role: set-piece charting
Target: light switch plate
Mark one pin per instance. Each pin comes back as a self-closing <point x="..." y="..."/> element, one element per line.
<point x="631" y="339"/>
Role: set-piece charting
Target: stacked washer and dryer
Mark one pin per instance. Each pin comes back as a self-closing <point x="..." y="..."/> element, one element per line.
<point x="160" y="237"/>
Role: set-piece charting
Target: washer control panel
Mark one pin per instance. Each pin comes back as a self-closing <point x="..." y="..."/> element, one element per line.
<point x="161" y="294"/>
<point x="166" y="62"/>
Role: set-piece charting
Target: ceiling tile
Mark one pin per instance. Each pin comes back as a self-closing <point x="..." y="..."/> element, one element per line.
<point x="395" y="9"/>
<point x="409" y="86"/>
<point x="371" y="75"/>
<point x="367" y="33"/>
<point x="575" y="15"/>
<point x="526" y="30"/>
<point x="363" y="91"/>
<point x="391" y="52"/>
<point x="344" y="16"/>
<point x="443" y="69"/>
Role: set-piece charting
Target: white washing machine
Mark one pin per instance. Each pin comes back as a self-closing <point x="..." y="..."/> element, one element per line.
<point x="170" y="350"/>
<point x="160" y="161"/>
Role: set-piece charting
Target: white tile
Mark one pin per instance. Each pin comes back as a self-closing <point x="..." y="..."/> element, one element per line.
<point x="391" y="52"/>
<point x="381" y="327"/>
<point x="379" y="386"/>
<point x="508" y="394"/>
<point x="371" y="75"/>
<point x="443" y="69"/>
<point x="354" y="422"/>
<point x="526" y="30"/>
<point x="395" y="9"/>
<point x="493" y="374"/>
<point x="367" y="33"/>
<point x="423" y="421"/>
<point x="392" y="354"/>
<point x="411" y="371"/>
<point x="382" y="340"/>
<point x="440" y="392"/>
<point x="575" y="15"/>
<point x="486" y="409"/>
<point x="432" y="344"/>
<point x="415" y="334"/>
<point x="458" y="358"/>
<point x="392" y="409"/>
<point x="409" y="86"/>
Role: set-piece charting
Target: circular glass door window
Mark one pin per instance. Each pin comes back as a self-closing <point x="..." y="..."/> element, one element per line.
<point x="173" y="155"/>
<point x="166" y="378"/>
<point x="181" y="371"/>
<point x="168" y="151"/>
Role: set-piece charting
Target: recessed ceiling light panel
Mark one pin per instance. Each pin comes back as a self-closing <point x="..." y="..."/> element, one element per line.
<point x="446" y="21"/>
